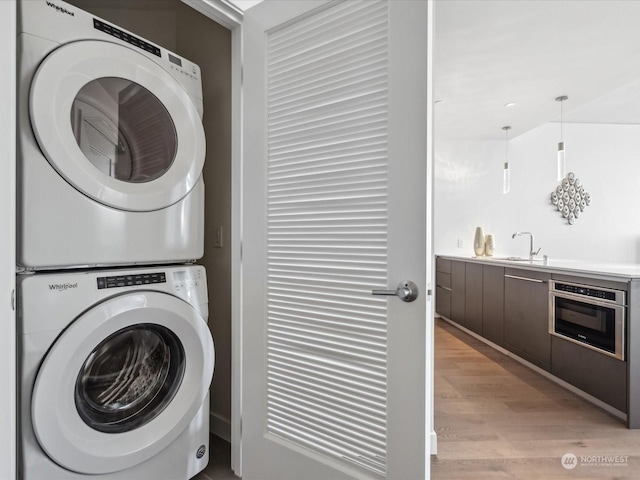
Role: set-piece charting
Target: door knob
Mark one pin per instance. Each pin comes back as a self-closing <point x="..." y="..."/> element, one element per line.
<point x="407" y="291"/>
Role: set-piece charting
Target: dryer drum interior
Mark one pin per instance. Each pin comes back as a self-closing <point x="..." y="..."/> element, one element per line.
<point x="123" y="130"/>
<point x="129" y="378"/>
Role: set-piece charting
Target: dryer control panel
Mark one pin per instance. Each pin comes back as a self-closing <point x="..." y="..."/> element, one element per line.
<point x="172" y="60"/>
<point x="125" y="37"/>
<point x="56" y="23"/>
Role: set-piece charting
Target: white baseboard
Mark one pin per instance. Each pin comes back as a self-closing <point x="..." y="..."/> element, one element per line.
<point x="434" y="443"/>
<point x="220" y="426"/>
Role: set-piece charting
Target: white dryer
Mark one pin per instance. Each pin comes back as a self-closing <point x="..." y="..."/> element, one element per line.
<point x="110" y="145"/>
<point x="115" y="368"/>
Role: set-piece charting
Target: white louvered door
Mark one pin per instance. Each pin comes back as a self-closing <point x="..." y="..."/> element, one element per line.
<point x="336" y="172"/>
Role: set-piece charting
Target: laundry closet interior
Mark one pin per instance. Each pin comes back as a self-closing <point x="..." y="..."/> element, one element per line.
<point x="181" y="29"/>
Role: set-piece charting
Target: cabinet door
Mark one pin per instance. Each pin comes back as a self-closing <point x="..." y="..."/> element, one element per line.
<point x="443" y="294"/>
<point x="458" y="292"/>
<point x="443" y="265"/>
<point x="595" y="373"/>
<point x="473" y="297"/>
<point x="493" y="303"/>
<point x="526" y="317"/>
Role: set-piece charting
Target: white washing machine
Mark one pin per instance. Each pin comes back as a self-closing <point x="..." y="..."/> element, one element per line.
<point x="115" y="368"/>
<point x="110" y="145"/>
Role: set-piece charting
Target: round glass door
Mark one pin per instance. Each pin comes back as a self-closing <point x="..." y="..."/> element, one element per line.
<point x="129" y="378"/>
<point x="117" y="126"/>
<point x="122" y="382"/>
<point x="123" y="130"/>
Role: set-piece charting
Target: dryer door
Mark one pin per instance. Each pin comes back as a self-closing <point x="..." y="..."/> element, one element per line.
<point x="122" y="382"/>
<point x="116" y="125"/>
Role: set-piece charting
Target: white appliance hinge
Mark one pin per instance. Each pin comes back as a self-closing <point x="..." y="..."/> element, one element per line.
<point x="13" y="300"/>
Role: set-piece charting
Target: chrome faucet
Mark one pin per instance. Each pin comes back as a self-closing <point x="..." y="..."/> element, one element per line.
<point x="532" y="252"/>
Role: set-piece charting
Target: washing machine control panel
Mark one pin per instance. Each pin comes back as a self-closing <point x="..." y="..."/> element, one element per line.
<point x="131" y="280"/>
<point x="186" y="279"/>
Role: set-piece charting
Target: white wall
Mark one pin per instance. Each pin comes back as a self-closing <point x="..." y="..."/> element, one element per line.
<point x="7" y="241"/>
<point x="606" y="158"/>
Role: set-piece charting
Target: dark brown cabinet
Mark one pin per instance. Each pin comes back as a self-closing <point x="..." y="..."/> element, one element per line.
<point x="510" y="308"/>
<point x="443" y="287"/>
<point x="597" y="374"/>
<point x="473" y="297"/>
<point x="458" y="292"/>
<point x="493" y="304"/>
<point x="450" y="289"/>
<point x="526" y="317"/>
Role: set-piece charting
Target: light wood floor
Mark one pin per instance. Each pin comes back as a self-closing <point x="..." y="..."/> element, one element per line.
<point x="495" y="419"/>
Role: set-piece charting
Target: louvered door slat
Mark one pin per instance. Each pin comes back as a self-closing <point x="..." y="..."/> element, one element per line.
<point x="327" y="232"/>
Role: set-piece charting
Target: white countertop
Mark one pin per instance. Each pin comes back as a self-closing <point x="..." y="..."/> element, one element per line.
<point x="619" y="271"/>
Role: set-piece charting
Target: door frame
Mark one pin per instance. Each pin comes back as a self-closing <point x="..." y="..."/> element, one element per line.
<point x="431" y="281"/>
<point x="8" y="402"/>
<point x="230" y="17"/>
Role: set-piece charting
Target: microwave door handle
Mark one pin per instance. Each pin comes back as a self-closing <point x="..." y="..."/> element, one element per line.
<point x="587" y="300"/>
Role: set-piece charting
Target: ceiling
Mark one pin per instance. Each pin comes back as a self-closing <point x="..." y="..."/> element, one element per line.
<point x="528" y="52"/>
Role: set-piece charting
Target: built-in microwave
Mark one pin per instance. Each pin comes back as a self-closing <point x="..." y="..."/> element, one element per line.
<point x="590" y="316"/>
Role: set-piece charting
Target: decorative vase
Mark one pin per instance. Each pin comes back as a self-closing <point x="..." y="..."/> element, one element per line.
<point x="489" y="246"/>
<point x="478" y="242"/>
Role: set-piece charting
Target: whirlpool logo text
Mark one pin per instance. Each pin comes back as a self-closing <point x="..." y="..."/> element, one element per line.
<point x="61" y="287"/>
<point x="60" y="9"/>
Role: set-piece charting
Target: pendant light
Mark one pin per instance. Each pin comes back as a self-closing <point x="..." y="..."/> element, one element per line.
<point x="561" y="151"/>
<point x="506" y="180"/>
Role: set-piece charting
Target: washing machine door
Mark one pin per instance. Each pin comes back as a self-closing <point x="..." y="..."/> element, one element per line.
<point x="116" y="125"/>
<point x="122" y="382"/>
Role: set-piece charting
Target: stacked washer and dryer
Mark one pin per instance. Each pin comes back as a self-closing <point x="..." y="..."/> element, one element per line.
<point x="116" y="357"/>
